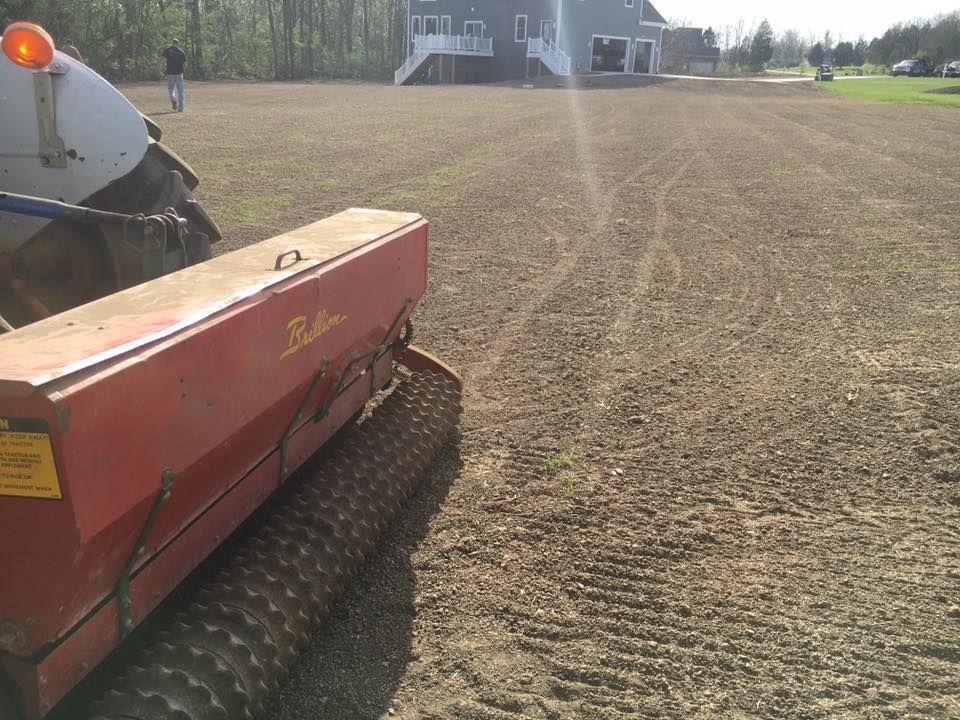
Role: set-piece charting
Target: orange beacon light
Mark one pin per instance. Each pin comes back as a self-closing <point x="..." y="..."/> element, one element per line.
<point x="28" y="44"/>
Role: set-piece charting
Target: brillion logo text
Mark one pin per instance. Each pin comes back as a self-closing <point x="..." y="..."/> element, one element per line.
<point x="300" y="334"/>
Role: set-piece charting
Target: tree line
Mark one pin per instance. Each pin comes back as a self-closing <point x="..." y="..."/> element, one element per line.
<point x="741" y="46"/>
<point x="937" y="39"/>
<point x="364" y="39"/>
<point x="254" y="39"/>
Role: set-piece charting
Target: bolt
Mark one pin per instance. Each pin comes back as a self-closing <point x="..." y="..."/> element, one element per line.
<point x="167" y="477"/>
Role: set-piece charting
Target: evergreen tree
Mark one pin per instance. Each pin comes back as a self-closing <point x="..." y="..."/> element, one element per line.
<point x="761" y="47"/>
<point x="859" y="52"/>
<point x="816" y="55"/>
<point x="843" y="54"/>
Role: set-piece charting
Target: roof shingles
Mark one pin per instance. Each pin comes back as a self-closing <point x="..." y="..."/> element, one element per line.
<point x="651" y="14"/>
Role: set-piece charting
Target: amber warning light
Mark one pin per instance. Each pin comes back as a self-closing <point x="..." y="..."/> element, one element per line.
<point x="28" y="45"/>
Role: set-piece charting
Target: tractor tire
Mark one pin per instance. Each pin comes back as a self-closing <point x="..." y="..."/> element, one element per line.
<point x="69" y="264"/>
<point x="161" y="180"/>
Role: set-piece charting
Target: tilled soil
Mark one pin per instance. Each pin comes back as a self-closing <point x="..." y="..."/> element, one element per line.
<point x="710" y="336"/>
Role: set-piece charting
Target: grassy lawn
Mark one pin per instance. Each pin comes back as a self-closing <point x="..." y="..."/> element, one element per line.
<point x="898" y="90"/>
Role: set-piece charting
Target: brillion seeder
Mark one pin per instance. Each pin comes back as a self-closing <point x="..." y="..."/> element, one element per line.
<point x="151" y="400"/>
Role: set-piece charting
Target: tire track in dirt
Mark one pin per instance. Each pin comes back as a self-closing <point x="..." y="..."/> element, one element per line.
<point x="933" y="439"/>
<point x="880" y="133"/>
<point x="744" y="305"/>
<point x="713" y="574"/>
<point x="729" y="535"/>
<point x="524" y="466"/>
<point x="549" y="282"/>
<point x="623" y="583"/>
<point x="607" y="595"/>
<point x="822" y="526"/>
<point x="570" y="682"/>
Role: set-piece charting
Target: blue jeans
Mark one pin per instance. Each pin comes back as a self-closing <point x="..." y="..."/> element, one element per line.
<point x="175" y="82"/>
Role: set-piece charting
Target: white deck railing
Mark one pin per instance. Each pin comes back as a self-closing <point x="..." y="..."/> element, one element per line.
<point x="556" y="60"/>
<point x="453" y="44"/>
<point x="401" y="74"/>
<point x="426" y="45"/>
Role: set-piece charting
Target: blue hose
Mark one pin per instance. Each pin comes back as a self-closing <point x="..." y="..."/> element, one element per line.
<point x="26" y="205"/>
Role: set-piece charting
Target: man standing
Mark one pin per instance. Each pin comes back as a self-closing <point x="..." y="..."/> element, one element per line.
<point x="68" y="48"/>
<point x="176" y="64"/>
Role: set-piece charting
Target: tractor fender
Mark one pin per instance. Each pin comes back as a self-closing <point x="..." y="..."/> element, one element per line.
<point x="175" y="162"/>
<point x="153" y="130"/>
<point x="103" y="137"/>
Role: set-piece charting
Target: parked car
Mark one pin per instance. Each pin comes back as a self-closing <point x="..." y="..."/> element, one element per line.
<point x="915" y="67"/>
<point x="952" y="70"/>
<point x="824" y="73"/>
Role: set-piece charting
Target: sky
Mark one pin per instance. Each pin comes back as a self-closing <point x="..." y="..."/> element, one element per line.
<point x="845" y="20"/>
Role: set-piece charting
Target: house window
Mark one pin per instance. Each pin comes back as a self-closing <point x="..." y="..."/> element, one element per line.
<point x="520" y="29"/>
<point x="414" y="27"/>
<point x="431" y="24"/>
<point x="444" y="24"/>
<point x="547" y="28"/>
<point x="473" y="28"/>
<point x="628" y="3"/>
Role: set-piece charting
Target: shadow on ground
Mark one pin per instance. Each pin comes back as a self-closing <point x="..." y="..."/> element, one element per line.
<point x="354" y="665"/>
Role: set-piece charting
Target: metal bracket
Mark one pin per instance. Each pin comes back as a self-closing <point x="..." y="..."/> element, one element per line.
<point x="284" y="469"/>
<point x="53" y="153"/>
<point x="340" y="388"/>
<point x="167" y="477"/>
<point x="375" y="354"/>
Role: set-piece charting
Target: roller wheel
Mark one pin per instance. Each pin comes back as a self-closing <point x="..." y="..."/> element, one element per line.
<point x="235" y="644"/>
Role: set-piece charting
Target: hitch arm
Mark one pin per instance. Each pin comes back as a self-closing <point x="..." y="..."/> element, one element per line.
<point x="53" y="210"/>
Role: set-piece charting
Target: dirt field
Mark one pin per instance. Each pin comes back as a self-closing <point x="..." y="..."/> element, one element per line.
<point x="710" y="334"/>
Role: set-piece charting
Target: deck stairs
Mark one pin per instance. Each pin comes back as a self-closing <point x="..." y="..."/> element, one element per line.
<point x="409" y="67"/>
<point x="547" y="52"/>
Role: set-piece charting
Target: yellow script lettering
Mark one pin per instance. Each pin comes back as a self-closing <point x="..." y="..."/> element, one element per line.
<point x="300" y="336"/>
<point x="295" y="327"/>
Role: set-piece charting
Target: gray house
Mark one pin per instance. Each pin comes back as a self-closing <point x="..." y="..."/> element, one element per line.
<point x="486" y="40"/>
<point x="685" y="51"/>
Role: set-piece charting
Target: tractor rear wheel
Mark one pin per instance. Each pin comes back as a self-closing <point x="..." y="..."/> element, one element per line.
<point x="69" y="264"/>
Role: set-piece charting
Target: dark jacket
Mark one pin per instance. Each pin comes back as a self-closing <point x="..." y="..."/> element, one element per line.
<point x="176" y="60"/>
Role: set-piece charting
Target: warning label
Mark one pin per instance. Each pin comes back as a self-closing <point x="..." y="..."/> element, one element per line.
<point x="26" y="460"/>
